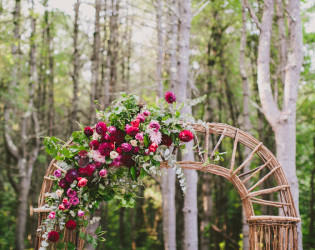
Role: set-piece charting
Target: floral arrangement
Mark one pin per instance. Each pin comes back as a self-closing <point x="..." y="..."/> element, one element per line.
<point x="108" y="161"/>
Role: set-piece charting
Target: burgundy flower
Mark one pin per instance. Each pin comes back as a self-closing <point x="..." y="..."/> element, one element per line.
<point x="63" y="183"/>
<point x="166" y="140"/>
<point x="170" y="97"/>
<point x="88" y="131"/>
<point x="186" y="136"/>
<point x="101" y="128"/>
<point x="97" y="165"/>
<point x="127" y="160"/>
<point x="126" y="147"/>
<point x="119" y="150"/>
<point x="83" y="162"/>
<point x="135" y="150"/>
<point x="87" y="171"/>
<point x="105" y="148"/>
<point x="71" y="225"/>
<point x="131" y="130"/>
<point x="118" y="137"/>
<point x="94" y="144"/>
<point x="71" y="175"/>
<point x="83" y="153"/>
<point x="53" y="236"/>
<point x="105" y="138"/>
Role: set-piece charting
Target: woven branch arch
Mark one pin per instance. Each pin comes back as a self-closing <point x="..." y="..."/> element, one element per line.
<point x="266" y="231"/>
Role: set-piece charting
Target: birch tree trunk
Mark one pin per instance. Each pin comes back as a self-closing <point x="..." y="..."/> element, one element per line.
<point x="190" y="199"/>
<point x="76" y="66"/>
<point x="246" y="120"/>
<point x="95" y="58"/>
<point x="168" y="180"/>
<point x="159" y="63"/>
<point x="282" y="121"/>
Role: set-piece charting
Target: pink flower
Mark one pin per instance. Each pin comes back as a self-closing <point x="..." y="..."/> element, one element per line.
<point x="139" y="136"/>
<point x="101" y="128"/>
<point x="112" y="130"/>
<point x="80" y="213"/>
<point x="71" y="193"/>
<point x="146" y="113"/>
<point x="135" y="150"/>
<point x="170" y="97"/>
<point x="105" y="138"/>
<point x="154" y="125"/>
<point x="116" y="162"/>
<point x="57" y="173"/>
<point x="88" y="131"/>
<point x="74" y="201"/>
<point x="155" y="136"/>
<point x="82" y="182"/>
<point x="141" y="117"/>
<point x="62" y="207"/>
<point x="52" y="215"/>
<point x="103" y="173"/>
<point x="97" y="157"/>
<point x="126" y="147"/>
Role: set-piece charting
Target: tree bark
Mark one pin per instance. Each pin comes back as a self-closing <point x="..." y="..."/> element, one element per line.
<point x="76" y="66"/>
<point x="95" y="59"/>
<point x="283" y="122"/>
<point x="159" y="63"/>
<point x="190" y="199"/>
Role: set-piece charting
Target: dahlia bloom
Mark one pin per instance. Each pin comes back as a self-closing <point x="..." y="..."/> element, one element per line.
<point x="118" y="137"/>
<point x="87" y="171"/>
<point x="98" y="158"/>
<point x="170" y="97"/>
<point x="71" y="225"/>
<point x="135" y="150"/>
<point x="131" y="130"/>
<point x="53" y="236"/>
<point x="186" y="136"/>
<point x="71" y="193"/>
<point x="126" y="147"/>
<point x="103" y="173"/>
<point x="57" y="173"/>
<point x="74" y="201"/>
<point x="101" y="128"/>
<point x="154" y="125"/>
<point x="166" y="140"/>
<point x="88" y="131"/>
<point x="139" y="136"/>
<point x="63" y="183"/>
<point x="155" y="137"/>
<point x="105" y="148"/>
<point x="52" y="215"/>
<point x="80" y="213"/>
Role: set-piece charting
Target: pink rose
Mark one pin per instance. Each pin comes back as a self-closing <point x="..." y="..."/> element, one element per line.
<point x="103" y="173"/>
<point x="80" y="213"/>
<point x="52" y="215"/>
<point x="82" y="182"/>
<point x="139" y="136"/>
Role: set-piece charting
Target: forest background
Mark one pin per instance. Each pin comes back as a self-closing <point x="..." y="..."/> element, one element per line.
<point x="57" y="57"/>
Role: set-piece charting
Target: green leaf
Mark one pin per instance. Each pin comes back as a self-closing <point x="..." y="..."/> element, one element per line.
<point x="70" y="246"/>
<point x="146" y="140"/>
<point x="108" y="161"/>
<point x="98" y="230"/>
<point x="133" y="172"/>
<point x="82" y="235"/>
<point x="143" y="173"/>
<point x="61" y="246"/>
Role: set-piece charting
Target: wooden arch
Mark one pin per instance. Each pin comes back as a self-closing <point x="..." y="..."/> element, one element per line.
<point x="266" y="231"/>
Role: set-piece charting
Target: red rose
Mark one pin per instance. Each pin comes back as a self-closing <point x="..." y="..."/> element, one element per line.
<point x="136" y="123"/>
<point x="131" y="130"/>
<point x="186" y="136"/>
<point x="153" y="147"/>
<point x="88" y="131"/>
<point x="62" y="207"/>
<point x="166" y="140"/>
<point x="94" y="144"/>
<point x="101" y="128"/>
<point x="87" y="171"/>
<point x="53" y="236"/>
<point x="71" y="225"/>
<point x="82" y="182"/>
<point x="119" y="150"/>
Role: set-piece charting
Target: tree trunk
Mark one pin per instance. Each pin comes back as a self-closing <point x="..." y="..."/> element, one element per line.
<point x="159" y="63"/>
<point x="95" y="59"/>
<point x="76" y="67"/>
<point x="190" y="200"/>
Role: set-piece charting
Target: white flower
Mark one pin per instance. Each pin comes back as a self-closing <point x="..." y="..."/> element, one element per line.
<point x="99" y="115"/>
<point x="91" y="154"/>
<point x="59" y="192"/>
<point x="113" y="154"/>
<point x="96" y="136"/>
<point x="134" y="143"/>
